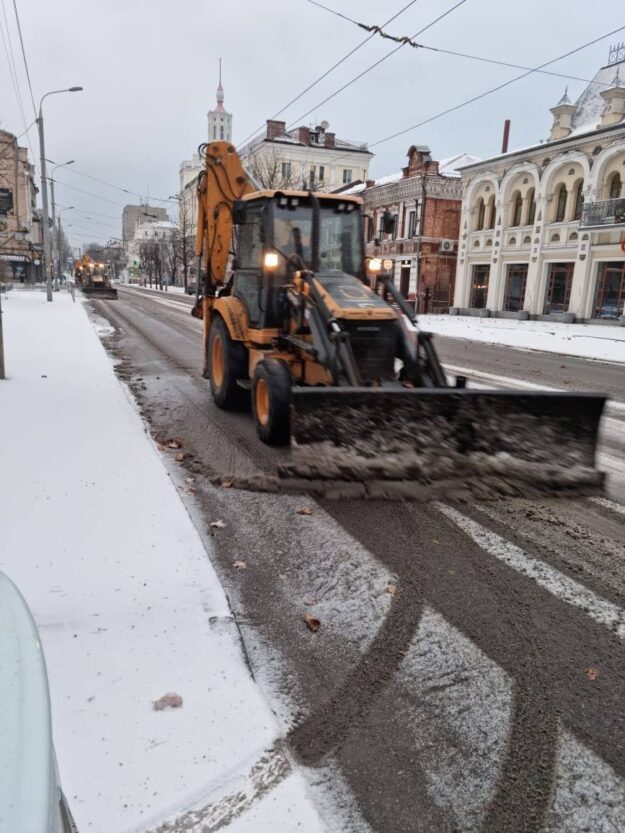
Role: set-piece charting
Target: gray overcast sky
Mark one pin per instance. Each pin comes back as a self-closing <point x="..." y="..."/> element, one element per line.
<point x="149" y="69"/>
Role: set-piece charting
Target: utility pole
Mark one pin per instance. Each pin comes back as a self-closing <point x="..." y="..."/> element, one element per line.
<point x="44" y="199"/>
<point x="55" y="234"/>
<point x="2" y="376"/>
<point x="44" y="188"/>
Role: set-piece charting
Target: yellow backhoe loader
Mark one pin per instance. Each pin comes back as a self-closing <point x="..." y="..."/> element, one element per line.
<point x="302" y="328"/>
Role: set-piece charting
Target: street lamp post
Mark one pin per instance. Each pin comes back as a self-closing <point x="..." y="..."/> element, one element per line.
<point x="58" y="231"/>
<point x="55" y="233"/>
<point x="44" y="188"/>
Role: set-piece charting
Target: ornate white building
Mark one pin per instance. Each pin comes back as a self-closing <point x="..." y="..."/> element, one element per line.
<point x="542" y="229"/>
<point x="305" y="158"/>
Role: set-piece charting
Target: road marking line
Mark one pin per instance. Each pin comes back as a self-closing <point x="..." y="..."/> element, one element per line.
<point x="609" y="504"/>
<point x="512" y="382"/>
<point x="564" y="588"/>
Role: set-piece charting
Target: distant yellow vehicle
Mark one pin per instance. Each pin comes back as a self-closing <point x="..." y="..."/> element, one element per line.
<point x="93" y="278"/>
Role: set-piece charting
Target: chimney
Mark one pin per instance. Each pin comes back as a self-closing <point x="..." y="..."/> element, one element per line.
<point x="330" y="140"/>
<point x="506" y="136"/>
<point x="303" y="135"/>
<point x="275" y="128"/>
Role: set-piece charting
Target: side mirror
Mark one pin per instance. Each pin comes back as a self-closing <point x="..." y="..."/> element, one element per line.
<point x="239" y="212"/>
<point x="388" y="222"/>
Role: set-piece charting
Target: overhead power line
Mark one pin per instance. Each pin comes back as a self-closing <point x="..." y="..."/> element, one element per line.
<point x="90" y="193"/>
<point x="19" y="31"/>
<point x="497" y="88"/>
<point x="5" y="34"/>
<point x="377" y="63"/>
<point x="404" y="40"/>
<point x="328" y="71"/>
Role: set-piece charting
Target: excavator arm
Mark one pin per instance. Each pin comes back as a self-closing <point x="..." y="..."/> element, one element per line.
<point x="222" y="183"/>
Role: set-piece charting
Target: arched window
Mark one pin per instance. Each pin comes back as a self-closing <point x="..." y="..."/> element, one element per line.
<point x="615" y="185"/>
<point x="491" y="212"/>
<point x="481" y="209"/>
<point x="561" y="204"/>
<point x="531" y="207"/>
<point x="517" y="208"/>
<point x="579" y="200"/>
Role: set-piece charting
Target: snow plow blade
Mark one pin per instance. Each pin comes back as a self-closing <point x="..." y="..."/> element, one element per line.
<point x="442" y="442"/>
<point x="101" y="292"/>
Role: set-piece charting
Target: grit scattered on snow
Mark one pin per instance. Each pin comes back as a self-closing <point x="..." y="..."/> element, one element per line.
<point x="606" y="343"/>
<point x="128" y="605"/>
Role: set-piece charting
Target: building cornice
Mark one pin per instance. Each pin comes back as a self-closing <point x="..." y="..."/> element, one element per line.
<point x="573" y="142"/>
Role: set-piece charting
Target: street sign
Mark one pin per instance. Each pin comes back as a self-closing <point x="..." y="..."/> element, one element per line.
<point x="6" y="200"/>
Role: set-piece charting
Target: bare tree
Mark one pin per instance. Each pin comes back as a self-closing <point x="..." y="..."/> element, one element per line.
<point x="270" y="170"/>
<point x="183" y="241"/>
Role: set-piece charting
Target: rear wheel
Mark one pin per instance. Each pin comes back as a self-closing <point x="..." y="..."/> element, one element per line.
<point x="271" y="398"/>
<point x="228" y="363"/>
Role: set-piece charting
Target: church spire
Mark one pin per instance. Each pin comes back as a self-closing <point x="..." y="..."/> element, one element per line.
<point x="220" y="92"/>
<point x="219" y="119"/>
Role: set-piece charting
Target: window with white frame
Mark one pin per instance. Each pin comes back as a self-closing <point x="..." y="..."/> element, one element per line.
<point x="347" y="176"/>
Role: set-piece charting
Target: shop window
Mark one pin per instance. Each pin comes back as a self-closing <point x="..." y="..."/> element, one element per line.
<point x="516" y="280"/>
<point x="517" y="209"/>
<point x="479" y="286"/>
<point x="531" y="207"/>
<point x="579" y="200"/>
<point x="560" y="204"/>
<point x="610" y="291"/>
<point x="614" y="186"/>
<point x="559" y="280"/>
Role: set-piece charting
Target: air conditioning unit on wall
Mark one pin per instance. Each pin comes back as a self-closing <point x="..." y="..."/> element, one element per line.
<point x="446" y="246"/>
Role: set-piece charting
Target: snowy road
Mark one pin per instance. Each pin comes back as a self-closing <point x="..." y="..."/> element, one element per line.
<point x="469" y="671"/>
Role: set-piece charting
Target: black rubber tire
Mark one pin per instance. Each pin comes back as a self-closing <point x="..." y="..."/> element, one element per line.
<point x="277" y="378"/>
<point x="228" y="394"/>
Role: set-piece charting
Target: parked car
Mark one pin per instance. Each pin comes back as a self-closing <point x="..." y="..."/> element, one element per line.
<point x="31" y="798"/>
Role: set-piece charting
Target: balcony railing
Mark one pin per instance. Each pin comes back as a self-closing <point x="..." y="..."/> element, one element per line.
<point x="604" y="213"/>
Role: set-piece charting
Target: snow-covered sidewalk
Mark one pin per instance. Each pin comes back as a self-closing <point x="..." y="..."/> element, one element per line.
<point x="128" y="605"/>
<point x="605" y="343"/>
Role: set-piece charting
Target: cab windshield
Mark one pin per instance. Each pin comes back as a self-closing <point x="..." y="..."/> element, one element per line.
<point x="339" y="237"/>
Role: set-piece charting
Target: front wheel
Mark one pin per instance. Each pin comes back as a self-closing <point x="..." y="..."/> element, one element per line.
<point x="227" y="366"/>
<point x="271" y="397"/>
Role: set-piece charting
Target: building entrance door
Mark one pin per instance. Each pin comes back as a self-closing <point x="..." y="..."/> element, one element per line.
<point x="610" y="292"/>
<point x="404" y="279"/>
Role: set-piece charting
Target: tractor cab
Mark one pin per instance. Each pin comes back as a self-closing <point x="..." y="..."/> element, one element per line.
<point x="280" y="233"/>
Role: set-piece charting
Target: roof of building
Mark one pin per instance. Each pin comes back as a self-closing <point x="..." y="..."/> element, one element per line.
<point x="450" y="166"/>
<point x="587" y="116"/>
<point x="590" y="104"/>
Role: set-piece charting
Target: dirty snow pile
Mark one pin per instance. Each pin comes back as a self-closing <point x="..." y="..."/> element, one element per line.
<point x="605" y="343"/>
<point x="156" y="717"/>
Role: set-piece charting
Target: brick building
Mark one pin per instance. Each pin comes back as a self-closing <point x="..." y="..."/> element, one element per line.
<point x="20" y="223"/>
<point x="425" y="200"/>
